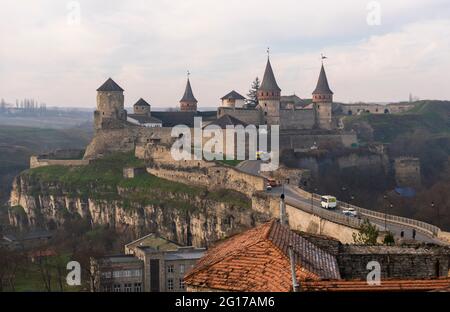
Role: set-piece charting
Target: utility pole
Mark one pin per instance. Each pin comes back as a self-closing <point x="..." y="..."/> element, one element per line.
<point x="438" y="217"/>
<point x="283" y="219"/>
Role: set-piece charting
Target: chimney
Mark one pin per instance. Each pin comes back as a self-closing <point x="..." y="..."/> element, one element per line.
<point x="295" y="285"/>
<point x="283" y="217"/>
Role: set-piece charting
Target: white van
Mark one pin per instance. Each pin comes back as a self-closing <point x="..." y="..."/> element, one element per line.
<point x="328" y="202"/>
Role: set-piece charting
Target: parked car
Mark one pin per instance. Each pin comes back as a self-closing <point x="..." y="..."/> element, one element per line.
<point x="328" y="202"/>
<point x="351" y="212"/>
<point x="269" y="187"/>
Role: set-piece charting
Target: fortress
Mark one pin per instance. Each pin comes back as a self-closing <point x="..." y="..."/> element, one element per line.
<point x="299" y="121"/>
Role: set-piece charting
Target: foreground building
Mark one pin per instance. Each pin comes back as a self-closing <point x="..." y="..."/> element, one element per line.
<point x="118" y="273"/>
<point x="258" y="260"/>
<point x="150" y="264"/>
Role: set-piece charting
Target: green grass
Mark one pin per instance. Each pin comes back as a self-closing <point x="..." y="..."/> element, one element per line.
<point x="29" y="277"/>
<point x="230" y="196"/>
<point x="232" y="163"/>
<point x="102" y="178"/>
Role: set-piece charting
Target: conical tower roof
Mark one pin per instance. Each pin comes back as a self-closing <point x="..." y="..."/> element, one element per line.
<point x="110" y="85"/>
<point x="269" y="82"/>
<point x="141" y="102"/>
<point x="322" y="85"/>
<point x="188" y="95"/>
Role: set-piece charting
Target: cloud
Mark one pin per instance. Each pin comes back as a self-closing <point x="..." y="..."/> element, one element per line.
<point x="147" y="47"/>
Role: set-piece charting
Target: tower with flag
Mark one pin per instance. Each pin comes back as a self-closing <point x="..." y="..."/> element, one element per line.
<point x="269" y="95"/>
<point x="322" y="98"/>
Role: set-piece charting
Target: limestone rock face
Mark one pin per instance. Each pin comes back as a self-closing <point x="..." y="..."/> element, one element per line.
<point x="49" y="205"/>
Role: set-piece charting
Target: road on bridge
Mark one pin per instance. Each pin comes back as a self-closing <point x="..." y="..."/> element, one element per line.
<point x="296" y="199"/>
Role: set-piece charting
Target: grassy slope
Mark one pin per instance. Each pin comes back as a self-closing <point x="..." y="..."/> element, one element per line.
<point x="101" y="179"/>
<point x="432" y="116"/>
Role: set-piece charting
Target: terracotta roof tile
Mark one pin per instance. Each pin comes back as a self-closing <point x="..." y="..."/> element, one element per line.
<point x="257" y="260"/>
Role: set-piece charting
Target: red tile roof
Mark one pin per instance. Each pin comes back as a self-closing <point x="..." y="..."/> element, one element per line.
<point x="386" y="285"/>
<point x="258" y="260"/>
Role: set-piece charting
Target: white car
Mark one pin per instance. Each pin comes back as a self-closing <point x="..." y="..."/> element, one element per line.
<point x="351" y="212"/>
<point x="269" y="187"/>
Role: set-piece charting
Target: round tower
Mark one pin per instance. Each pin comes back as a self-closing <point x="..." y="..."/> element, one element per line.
<point x="110" y="105"/>
<point x="322" y="98"/>
<point x="188" y="102"/>
<point x="269" y="94"/>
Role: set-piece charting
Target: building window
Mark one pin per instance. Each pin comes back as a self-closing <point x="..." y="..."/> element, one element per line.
<point x="127" y="273"/>
<point x="137" y="287"/>
<point x="117" y="288"/>
<point x="170" y="268"/>
<point x="181" y="283"/>
<point x="117" y="274"/>
<point x="106" y="274"/>
<point x="182" y="268"/>
<point x="137" y="273"/>
<point x="128" y="288"/>
<point x="170" y="284"/>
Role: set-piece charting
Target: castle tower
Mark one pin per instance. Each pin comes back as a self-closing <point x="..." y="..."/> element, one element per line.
<point x="110" y="105"/>
<point x="322" y="98"/>
<point x="141" y="107"/>
<point x="269" y="95"/>
<point x="188" y="103"/>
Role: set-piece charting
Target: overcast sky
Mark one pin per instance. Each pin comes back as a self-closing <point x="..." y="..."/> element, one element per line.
<point x="47" y="53"/>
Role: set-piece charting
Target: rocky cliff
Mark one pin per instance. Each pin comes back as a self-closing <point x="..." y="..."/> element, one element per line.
<point x="49" y="196"/>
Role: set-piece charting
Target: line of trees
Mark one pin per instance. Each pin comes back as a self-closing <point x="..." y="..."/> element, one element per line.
<point x="25" y="105"/>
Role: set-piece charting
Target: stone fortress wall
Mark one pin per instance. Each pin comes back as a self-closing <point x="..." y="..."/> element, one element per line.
<point x="396" y="262"/>
<point x="306" y="139"/>
<point x="197" y="172"/>
<point x="249" y="116"/>
<point x="358" y="108"/>
<point x="407" y="171"/>
<point x="125" y="139"/>
<point x="67" y="157"/>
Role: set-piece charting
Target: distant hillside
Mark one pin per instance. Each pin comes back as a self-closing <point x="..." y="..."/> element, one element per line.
<point x="431" y="116"/>
<point x="18" y="143"/>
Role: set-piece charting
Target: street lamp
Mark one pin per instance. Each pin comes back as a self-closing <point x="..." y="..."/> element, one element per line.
<point x="437" y="213"/>
<point x="385" y="216"/>
<point x="385" y="212"/>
